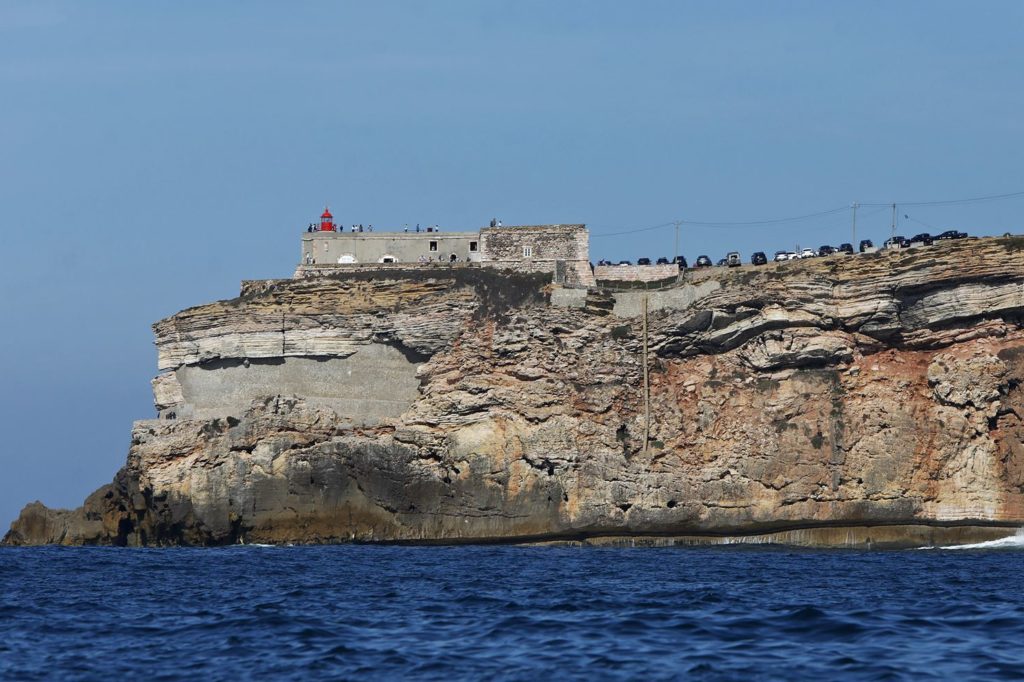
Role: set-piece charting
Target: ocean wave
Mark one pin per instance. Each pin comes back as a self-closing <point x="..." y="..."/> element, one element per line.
<point x="1013" y="542"/>
<point x="466" y="613"/>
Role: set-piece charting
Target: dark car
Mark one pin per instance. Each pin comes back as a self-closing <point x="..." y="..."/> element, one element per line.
<point x="680" y="261"/>
<point x="624" y="262"/>
<point x="643" y="261"/>
<point x="702" y="262"/>
<point x="845" y="248"/>
<point x="951" y="234"/>
<point x="604" y="262"/>
<point x="758" y="258"/>
<point x="897" y="242"/>
<point x="721" y="263"/>
<point x="662" y="261"/>
<point x="825" y="250"/>
<point x="866" y="244"/>
<point x="923" y="238"/>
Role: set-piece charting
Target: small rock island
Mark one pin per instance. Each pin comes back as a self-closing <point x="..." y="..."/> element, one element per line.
<point x="422" y="386"/>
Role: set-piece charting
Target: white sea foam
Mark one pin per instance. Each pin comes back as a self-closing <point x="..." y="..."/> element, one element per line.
<point x="251" y="544"/>
<point x="1012" y="542"/>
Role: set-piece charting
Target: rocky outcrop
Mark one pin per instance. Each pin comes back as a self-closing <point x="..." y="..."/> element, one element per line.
<point x="848" y="400"/>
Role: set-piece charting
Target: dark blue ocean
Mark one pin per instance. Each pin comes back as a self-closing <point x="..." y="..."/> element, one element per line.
<point x="511" y="613"/>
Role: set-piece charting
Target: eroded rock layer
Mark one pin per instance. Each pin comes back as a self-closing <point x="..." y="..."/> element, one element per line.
<point x="823" y="397"/>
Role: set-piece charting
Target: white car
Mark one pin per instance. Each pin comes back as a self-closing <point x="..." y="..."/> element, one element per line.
<point x="808" y="253"/>
<point x="792" y="256"/>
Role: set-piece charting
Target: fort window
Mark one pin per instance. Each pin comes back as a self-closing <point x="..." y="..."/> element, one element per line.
<point x="527" y="252"/>
<point x="433" y="246"/>
<point x="472" y="246"/>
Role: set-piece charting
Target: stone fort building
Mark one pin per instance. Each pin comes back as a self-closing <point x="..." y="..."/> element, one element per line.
<point x="562" y="250"/>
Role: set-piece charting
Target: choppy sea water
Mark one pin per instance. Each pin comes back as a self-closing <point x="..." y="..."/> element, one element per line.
<point x="517" y="613"/>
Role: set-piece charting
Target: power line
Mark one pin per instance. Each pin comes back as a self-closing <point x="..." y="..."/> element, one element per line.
<point x="771" y="221"/>
<point x="642" y="229"/>
<point x="818" y="214"/>
<point x="747" y="223"/>
<point x="875" y="212"/>
<point x="971" y="200"/>
<point x="919" y="222"/>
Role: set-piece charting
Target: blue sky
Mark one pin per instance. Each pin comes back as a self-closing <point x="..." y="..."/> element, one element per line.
<point x="154" y="154"/>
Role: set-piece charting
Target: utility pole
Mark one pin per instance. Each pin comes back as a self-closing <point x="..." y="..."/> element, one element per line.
<point x="675" y="253"/>
<point x="853" y="240"/>
<point x="893" y="221"/>
<point x="647" y="383"/>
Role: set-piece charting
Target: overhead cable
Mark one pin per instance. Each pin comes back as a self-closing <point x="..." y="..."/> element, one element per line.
<point x="793" y="219"/>
<point x="642" y="229"/>
<point x="971" y="200"/>
<point x="771" y="221"/>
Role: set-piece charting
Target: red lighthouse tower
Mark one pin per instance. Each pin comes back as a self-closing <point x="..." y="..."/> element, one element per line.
<point x="327" y="221"/>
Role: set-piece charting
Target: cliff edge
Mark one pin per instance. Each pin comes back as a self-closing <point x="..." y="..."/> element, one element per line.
<point x="870" y="399"/>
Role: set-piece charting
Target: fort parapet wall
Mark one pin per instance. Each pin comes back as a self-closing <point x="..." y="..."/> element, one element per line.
<point x="635" y="273"/>
<point x="329" y="269"/>
<point x="362" y="248"/>
<point x="537" y="243"/>
<point x="560" y="250"/>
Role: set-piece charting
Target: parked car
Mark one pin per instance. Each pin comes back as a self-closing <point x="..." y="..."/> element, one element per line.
<point x="825" y="250"/>
<point x="792" y="255"/>
<point x="732" y="259"/>
<point x="758" y="258"/>
<point x="662" y="261"/>
<point x="702" y="262"/>
<point x="604" y="262"/>
<point x="808" y="253"/>
<point x="781" y="256"/>
<point x="681" y="262"/>
<point x="643" y="261"/>
<point x="845" y="248"/>
<point x="951" y="234"/>
<point x="624" y="262"/>
<point x="897" y="242"/>
<point x="720" y="263"/>
<point x="923" y="238"/>
<point x="866" y="244"/>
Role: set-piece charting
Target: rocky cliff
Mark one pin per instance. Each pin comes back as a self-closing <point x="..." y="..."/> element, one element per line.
<point x="873" y="399"/>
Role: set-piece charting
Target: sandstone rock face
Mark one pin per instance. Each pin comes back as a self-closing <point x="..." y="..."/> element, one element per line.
<point x="814" y="399"/>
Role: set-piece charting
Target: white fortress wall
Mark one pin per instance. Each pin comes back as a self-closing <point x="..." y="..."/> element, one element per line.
<point x="319" y="248"/>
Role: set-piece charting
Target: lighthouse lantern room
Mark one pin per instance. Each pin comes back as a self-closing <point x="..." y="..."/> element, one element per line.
<point x="327" y="221"/>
